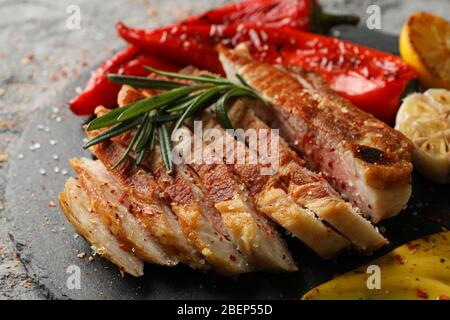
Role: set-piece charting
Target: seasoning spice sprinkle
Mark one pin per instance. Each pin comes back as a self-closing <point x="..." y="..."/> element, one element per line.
<point x="35" y="146"/>
<point x="81" y="255"/>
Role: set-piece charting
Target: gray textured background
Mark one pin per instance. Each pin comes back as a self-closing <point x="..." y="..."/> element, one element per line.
<point x="38" y="57"/>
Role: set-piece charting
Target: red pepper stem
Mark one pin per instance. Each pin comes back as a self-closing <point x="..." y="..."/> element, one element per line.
<point x="322" y="22"/>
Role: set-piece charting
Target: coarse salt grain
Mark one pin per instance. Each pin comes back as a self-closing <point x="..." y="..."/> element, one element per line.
<point x="56" y="170"/>
<point x="64" y="172"/>
<point x="42" y="171"/>
<point x="55" y="157"/>
<point x="20" y="156"/>
<point x="53" y="142"/>
<point x="35" y="146"/>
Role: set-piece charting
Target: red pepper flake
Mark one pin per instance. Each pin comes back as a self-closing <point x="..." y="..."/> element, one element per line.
<point x="413" y="246"/>
<point x="122" y="198"/>
<point x="421" y="294"/>
<point x="436" y="218"/>
<point x="398" y="258"/>
<point x="232" y="258"/>
<point x="443" y="298"/>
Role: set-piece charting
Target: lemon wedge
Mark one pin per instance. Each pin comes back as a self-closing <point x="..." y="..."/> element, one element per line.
<point x="425" y="119"/>
<point x="425" y="45"/>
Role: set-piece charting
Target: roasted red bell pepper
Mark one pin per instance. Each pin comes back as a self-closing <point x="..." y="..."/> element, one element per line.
<point x="372" y="80"/>
<point x="100" y="91"/>
<point x="306" y="15"/>
<point x="298" y="14"/>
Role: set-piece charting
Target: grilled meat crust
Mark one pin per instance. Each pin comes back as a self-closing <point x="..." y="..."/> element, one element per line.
<point x="198" y="216"/>
<point x="142" y="191"/>
<point x="271" y="198"/>
<point x="74" y="203"/>
<point x="365" y="159"/>
<point x="200" y="222"/>
<point x="309" y="189"/>
<point x="253" y="234"/>
<point x="112" y="206"/>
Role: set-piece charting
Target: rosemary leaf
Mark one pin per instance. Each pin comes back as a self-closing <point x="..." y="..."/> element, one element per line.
<point x="141" y="156"/>
<point x="106" y="120"/>
<point x="182" y="104"/>
<point x="201" y="79"/>
<point x="150" y="144"/>
<point x="221" y="112"/>
<point x="166" y="150"/>
<point x="112" y="132"/>
<point x="130" y="146"/>
<point x="143" y="134"/>
<point x="221" y="105"/>
<point x="202" y="101"/>
<point x="165" y="117"/>
<point x="242" y="80"/>
<point x="144" y="82"/>
<point x="156" y="102"/>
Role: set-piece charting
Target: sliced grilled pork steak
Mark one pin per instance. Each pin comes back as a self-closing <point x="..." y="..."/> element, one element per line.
<point x="142" y="191"/>
<point x="201" y="221"/>
<point x="74" y="202"/>
<point x="365" y="159"/>
<point x="310" y="189"/>
<point x="254" y="235"/>
<point x="112" y="206"/>
<point x="273" y="202"/>
<point x="271" y="198"/>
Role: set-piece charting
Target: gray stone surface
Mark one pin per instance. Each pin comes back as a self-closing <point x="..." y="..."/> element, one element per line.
<point x="39" y="57"/>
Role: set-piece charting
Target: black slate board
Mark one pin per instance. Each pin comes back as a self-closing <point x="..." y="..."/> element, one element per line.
<point x="46" y="244"/>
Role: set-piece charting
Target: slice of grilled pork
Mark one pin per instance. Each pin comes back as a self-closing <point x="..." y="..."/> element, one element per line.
<point x="75" y="204"/>
<point x="219" y="183"/>
<point x="253" y="234"/>
<point x="111" y="205"/>
<point x="362" y="157"/>
<point x="142" y="194"/>
<point x="309" y="189"/>
<point x="250" y="231"/>
<point x="200" y="221"/>
<point x="271" y="198"/>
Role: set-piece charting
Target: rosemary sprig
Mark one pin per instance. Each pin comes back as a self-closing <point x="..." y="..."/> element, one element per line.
<point x="150" y="117"/>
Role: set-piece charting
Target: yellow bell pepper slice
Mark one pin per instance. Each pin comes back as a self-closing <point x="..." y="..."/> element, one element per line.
<point x="418" y="270"/>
